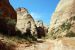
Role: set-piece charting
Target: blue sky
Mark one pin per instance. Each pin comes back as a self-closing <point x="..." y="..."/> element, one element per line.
<point x="39" y="9"/>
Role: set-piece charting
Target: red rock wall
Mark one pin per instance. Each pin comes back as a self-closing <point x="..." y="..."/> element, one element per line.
<point x="7" y="12"/>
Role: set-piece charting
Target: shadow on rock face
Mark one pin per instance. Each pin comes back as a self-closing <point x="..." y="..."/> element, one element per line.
<point x="41" y="32"/>
<point x="8" y="17"/>
<point x="27" y="36"/>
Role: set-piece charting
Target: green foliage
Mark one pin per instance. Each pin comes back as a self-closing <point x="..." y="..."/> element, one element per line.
<point x="73" y="18"/>
<point x="65" y="26"/>
<point x="56" y="32"/>
<point x="51" y="35"/>
<point x="70" y="34"/>
<point x="27" y="36"/>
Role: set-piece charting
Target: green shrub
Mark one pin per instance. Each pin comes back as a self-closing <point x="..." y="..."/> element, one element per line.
<point x="70" y="34"/>
<point x="65" y="26"/>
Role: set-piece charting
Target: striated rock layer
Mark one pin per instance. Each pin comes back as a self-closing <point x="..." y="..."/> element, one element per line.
<point x="25" y="22"/>
<point x="8" y="17"/>
<point x="63" y="20"/>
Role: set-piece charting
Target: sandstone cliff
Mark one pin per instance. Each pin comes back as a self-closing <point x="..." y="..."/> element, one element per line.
<point x="8" y="17"/>
<point x="25" y="21"/>
<point x="63" y="20"/>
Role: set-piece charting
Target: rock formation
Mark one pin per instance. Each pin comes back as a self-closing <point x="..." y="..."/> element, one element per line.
<point x="25" y="22"/>
<point x="41" y="29"/>
<point x="63" y="20"/>
<point x="8" y="17"/>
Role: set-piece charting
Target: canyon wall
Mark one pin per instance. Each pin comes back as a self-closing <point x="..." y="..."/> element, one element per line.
<point x="63" y="20"/>
<point x="8" y="17"/>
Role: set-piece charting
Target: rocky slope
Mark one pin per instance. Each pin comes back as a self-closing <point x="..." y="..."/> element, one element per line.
<point x="63" y="20"/>
<point x="8" y="17"/>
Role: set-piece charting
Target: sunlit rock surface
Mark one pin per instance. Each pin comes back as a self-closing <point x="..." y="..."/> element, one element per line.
<point x="25" y="21"/>
<point x="63" y="20"/>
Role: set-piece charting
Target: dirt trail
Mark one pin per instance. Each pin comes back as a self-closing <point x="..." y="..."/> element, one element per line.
<point x="59" y="44"/>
